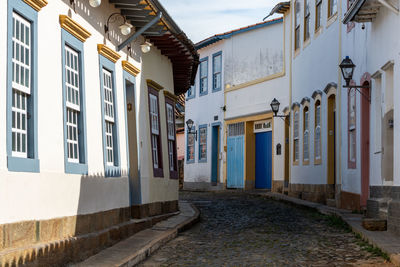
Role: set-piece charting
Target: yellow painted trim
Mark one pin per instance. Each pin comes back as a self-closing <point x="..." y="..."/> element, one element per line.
<point x="147" y="8"/>
<point x="170" y="95"/>
<point x="257" y="117"/>
<point x="74" y="28"/>
<point x="318" y="32"/>
<point x="331" y="20"/>
<point x="290" y="88"/>
<point x="306" y="43"/>
<point x="36" y="4"/>
<point x="296" y="53"/>
<point x="154" y="85"/>
<point x="257" y="81"/>
<point x="332" y="91"/>
<point x="108" y="53"/>
<point x="130" y="68"/>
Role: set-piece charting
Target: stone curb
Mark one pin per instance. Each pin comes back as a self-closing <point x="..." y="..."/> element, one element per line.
<point x="153" y="244"/>
<point x="394" y="258"/>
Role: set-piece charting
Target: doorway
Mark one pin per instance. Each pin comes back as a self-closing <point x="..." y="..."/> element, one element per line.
<point x="286" y="178"/>
<point x="235" y="155"/>
<point x="332" y="141"/>
<point x="365" y="123"/>
<point x="264" y="160"/>
<point x="214" y="154"/>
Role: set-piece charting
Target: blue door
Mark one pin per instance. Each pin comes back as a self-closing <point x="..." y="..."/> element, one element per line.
<point x="264" y="160"/>
<point x="214" y="154"/>
<point x="235" y="160"/>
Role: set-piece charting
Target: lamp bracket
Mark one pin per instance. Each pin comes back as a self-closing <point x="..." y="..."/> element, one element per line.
<point x="357" y="89"/>
<point x="282" y="117"/>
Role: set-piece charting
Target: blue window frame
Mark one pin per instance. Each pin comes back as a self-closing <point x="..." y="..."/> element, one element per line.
<point x="74" y="108"/>
<point x="203" y="79"/>
<point x="217" y="72"/>
<point x="111" y="153"/>
<point x="191" y="146"/>
<point x="191" y="93"/>
<point x="203" y="143"/>
<point x="22" y="112"/>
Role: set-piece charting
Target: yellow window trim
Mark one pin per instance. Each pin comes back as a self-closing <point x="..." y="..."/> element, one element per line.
<point x="296" y="109"/>
<point x="170" y="95"/>
<point x="74" y="28"/>
<point x="108" y="53"/>
<point x="36" y="4"/>
<point x="254" y="117"/>
<point x="154" y="85"/>
<point x="331" y="20"/>
<point x="128" y="67"/>
<point x="306" y="104"/>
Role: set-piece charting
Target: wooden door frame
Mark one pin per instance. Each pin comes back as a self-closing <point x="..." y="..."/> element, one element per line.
<point x="365" y="144"/>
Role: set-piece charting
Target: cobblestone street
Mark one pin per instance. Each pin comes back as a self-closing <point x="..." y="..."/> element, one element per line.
<point x="238" y="229"/>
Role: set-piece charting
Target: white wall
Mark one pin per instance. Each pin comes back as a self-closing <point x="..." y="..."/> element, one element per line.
<point x="202" y="110"/>
<point x="314" y="66"/>
<point x="52" y="193"/>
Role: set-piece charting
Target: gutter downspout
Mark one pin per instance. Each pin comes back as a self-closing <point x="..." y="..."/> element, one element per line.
<point x="339" y="97"/>
<point x="290" y="93"/>
<point x="139" y="32"/>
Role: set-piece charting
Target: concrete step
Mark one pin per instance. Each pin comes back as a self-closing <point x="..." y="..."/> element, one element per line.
<point x="330" y="202"/>
<point x="374" y="206"/>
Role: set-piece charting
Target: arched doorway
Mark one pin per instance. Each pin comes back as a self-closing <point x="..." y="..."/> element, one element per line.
<point x="365" y="140"/>
<point x="331" y="168"/>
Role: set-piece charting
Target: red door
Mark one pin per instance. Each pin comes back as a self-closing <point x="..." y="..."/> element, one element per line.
<point x="365" y="120"/>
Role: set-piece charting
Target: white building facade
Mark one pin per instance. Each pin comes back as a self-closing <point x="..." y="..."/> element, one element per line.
<point x="240" y="90"/>
<point x="88" y="124"/>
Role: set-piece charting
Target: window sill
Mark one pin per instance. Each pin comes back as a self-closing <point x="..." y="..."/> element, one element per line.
<point x="76" y="168"/>
<point x="202" y="160"/>
<point x="190" y="162"/>
<point x="318" y="32"/>
<point x="317" y="161"/>
<point x="216" y="90"/>
<point x="306" y="43"/>
<point x="16" y="164"/>
<point x="331" y="19"/>
<point x="295" y="163"/>
<point x="203" y="94"/>
<point x="112" y="171"/>
<point x="296" y="53"/>
<point x="305" y="163"/>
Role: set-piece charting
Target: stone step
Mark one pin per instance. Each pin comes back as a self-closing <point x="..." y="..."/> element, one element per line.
<point x="383" y="213"/>
<point x="330" y="202"/>
<point x="372" y="224"/>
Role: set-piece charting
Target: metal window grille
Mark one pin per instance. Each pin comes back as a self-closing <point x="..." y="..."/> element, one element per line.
<point x="318" y="132"/>
<point x="305" y="137"/>
<point x="21" y="84"/>
<point x="203" y="143"/>
<point x="236" y="129"/>
<point x="296" y="135"/>
<point x="155" y="129"/>
<point x="171" y="135"/>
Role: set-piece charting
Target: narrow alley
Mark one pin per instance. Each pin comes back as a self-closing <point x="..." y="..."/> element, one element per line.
<point x="239" y="229"/>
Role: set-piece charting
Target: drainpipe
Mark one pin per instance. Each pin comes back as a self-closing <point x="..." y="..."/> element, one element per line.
<point x="290" y="92"/>
<point x="339" y="97"/>
<point x="139" y="32"/>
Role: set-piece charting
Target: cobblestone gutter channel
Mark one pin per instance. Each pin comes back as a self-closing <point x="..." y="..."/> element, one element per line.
<point x="240" y="229"/>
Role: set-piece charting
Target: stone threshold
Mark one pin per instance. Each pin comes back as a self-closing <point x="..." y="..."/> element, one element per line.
<point x="387" y="241"/>
<point x="138" y="247"/>
<point x="77" y="248"/>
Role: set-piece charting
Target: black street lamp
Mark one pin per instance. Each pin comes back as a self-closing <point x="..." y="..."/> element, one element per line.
<point x="275" y="109"/>
<point x="347" y="67"/>
<point x="189" y="124"/>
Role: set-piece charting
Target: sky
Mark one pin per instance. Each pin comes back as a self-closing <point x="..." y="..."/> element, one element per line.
<point x="200" y="19"/>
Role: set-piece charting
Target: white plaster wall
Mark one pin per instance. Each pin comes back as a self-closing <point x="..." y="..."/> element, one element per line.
<point x="159" y="69"/>
<point x="314" y="66"/>
<point x="370" y="49"/>
<point x="52" y="193"/>
<point x="254" y="54"/>
<point x="202" y="110"/>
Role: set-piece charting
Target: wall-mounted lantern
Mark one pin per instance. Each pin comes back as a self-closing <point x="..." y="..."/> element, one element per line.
<point x="275" y="109"/>
<point x="278" y="149"/>
<point x="189" y="124"/>
<point x="347" y="67"/>
<point x="125" y="27"/>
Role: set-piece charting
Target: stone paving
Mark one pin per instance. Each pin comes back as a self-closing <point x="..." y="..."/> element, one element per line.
<point x="238" y="229"/>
